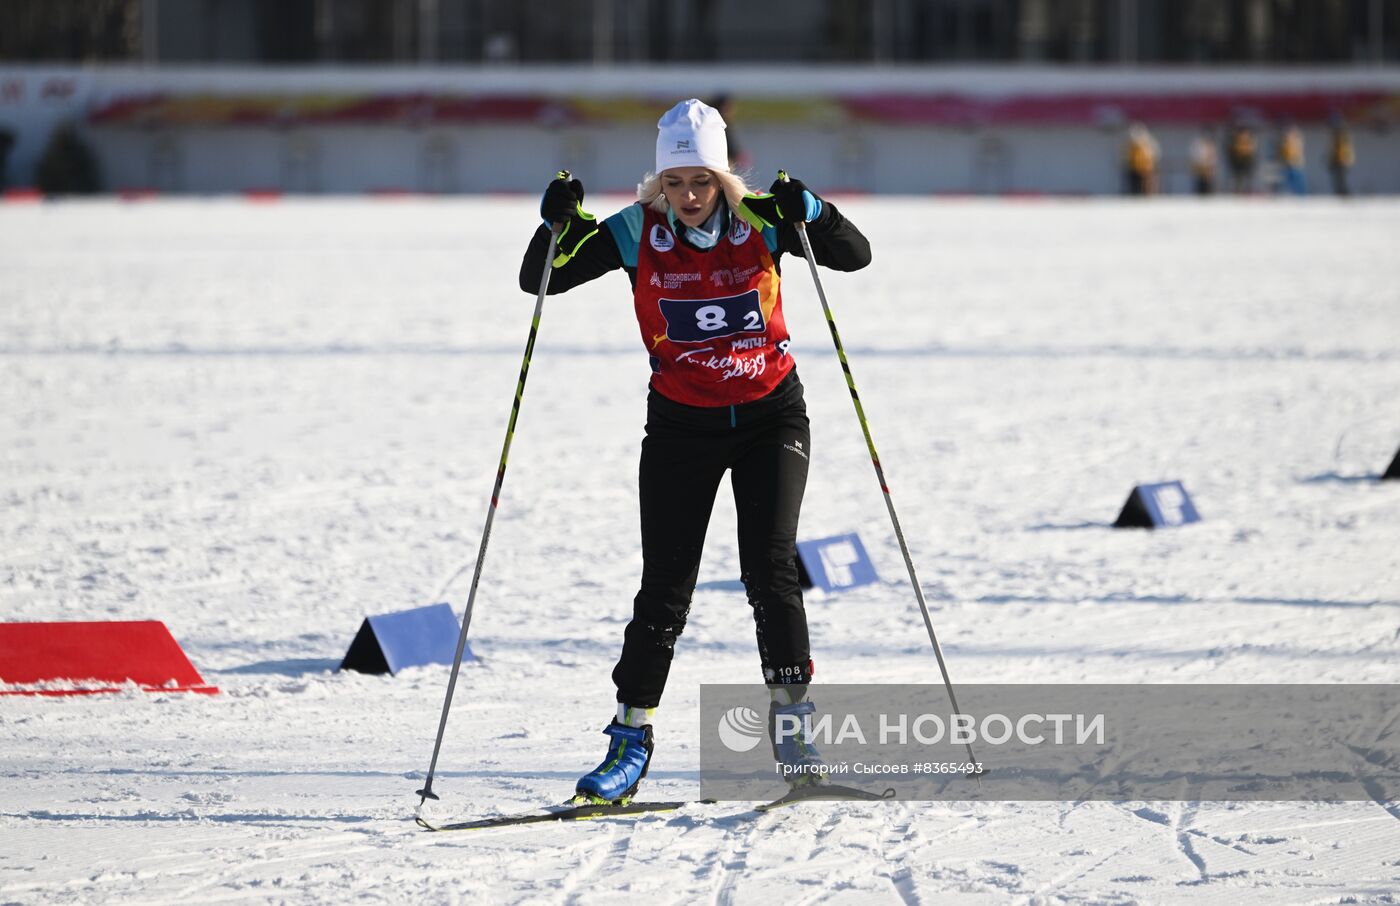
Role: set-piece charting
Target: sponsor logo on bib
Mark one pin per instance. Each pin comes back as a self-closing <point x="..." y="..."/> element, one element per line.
<point x="676" y="281"/>
<point x="661" y="239"/>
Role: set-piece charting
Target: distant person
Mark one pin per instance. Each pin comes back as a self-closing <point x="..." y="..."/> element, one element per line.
<point x="1290" y="160"/>
<point x="1140" y="156"/>
<point x="7" y="143"/>
<point x="68" y="165"/>
<point x="1241" y="152"/>
<point x="739" y="159"/>
<point x="1204" y="162"/>
<point x="1340" y="157"/>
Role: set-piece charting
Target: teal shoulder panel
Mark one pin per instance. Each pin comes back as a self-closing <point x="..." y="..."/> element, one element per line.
<point x="626" y="229"/>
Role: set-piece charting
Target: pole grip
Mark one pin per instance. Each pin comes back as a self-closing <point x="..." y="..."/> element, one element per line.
<point x="554" y="228"/>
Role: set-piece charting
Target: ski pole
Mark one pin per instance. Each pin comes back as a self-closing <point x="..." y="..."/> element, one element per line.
<point x="427" y="791"/>
<point x="879" y="472"/>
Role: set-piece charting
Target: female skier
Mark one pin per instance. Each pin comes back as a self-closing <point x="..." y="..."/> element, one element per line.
<point x="701" y="251"/>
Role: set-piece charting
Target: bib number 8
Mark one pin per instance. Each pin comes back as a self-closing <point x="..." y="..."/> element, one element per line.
<point x="710" y="318"/>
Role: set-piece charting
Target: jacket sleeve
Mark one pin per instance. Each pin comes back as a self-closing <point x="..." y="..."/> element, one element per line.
<point x="594" y="258"/>
<point x="836" y="242"/>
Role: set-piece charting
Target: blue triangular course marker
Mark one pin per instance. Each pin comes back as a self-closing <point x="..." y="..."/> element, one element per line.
<point x="834" y="564"/>
<point x="1393" y="472"/>
<point x="389" y="642"/>
<point x="1158" y="505"/>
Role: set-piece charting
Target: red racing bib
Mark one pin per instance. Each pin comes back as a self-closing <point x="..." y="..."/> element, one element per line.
<point x="712" y="321"/>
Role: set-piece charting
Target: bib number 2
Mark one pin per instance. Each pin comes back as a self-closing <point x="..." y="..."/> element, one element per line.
<point x="695" y="321"/>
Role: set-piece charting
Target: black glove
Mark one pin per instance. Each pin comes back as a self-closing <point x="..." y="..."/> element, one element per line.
<point x="787" y="202"/>
<point x="561" y="200"/>
<point x="795" y="201"/>
<point x="563" y="203"/>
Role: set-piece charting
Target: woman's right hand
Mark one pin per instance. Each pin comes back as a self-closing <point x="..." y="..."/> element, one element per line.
<point x="562" y="210"/>
<point x="562" y="200"/>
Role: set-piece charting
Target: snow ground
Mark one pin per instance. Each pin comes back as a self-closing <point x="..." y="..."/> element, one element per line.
<point x="260" y="423"/>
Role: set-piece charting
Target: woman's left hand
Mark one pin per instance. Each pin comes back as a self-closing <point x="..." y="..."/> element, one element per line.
<point x="795" y="201"/>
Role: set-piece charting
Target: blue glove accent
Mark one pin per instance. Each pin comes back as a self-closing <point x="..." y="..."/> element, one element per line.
<point x="812" y="206"/>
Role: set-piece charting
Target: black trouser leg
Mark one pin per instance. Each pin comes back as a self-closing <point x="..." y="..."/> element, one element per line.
<point x="769" y="479"/>
<point x="678" y="480"/>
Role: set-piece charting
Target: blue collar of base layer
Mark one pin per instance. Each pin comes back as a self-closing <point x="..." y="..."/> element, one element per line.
<point x="706" y="235"/>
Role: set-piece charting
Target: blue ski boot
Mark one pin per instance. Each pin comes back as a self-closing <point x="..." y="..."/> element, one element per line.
<point x="616" y="779"/>
<point x="798" y="759"/>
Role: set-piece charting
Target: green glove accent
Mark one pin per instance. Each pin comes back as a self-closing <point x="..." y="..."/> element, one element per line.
<point x="760" y="211"/>
<point x="578" y="229"/>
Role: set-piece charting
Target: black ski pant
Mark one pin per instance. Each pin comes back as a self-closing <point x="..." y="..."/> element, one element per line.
<point x="687" y="449"/>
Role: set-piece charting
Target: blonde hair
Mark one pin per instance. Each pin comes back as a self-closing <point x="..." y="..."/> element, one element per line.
<point x="733" y="185"/>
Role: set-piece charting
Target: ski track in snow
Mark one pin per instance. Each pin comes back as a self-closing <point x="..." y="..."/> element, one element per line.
<point x="261" y="423"/>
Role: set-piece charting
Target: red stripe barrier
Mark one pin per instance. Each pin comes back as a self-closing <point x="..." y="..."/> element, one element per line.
<point x="95" y="657"/>
<point x="23" y="194"/>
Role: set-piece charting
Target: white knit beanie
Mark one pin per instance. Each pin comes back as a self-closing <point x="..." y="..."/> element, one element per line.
<point x="691" y="135"/>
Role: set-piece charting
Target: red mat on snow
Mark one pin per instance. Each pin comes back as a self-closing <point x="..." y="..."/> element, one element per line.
<point x="86" y="658"/>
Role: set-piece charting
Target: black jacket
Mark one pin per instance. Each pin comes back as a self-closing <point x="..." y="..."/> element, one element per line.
<point x="835" y="241"/>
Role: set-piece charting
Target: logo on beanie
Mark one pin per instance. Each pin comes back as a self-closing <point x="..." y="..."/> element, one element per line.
<point x="740" y="729"/>
<point x="661" y="239"/>
<point x="683" y="145"/>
